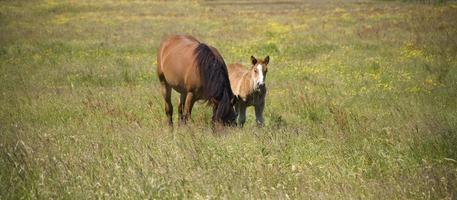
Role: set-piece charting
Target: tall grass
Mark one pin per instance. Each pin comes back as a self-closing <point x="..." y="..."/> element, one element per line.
<point x="361" y="101"/>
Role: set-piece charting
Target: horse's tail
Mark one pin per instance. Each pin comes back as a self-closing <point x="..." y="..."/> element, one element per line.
<point x="214" y="75"/>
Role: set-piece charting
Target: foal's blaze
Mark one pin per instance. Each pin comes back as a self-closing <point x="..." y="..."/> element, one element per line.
<point x="198" y="72"/>
<point x="260" y="69"/>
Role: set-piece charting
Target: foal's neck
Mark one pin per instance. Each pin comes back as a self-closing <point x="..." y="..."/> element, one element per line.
<point x="249" y="81"/>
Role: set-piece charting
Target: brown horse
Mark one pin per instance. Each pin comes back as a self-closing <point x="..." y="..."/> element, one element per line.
<point x="249" y="87"/>
<point x="196" y="71"/>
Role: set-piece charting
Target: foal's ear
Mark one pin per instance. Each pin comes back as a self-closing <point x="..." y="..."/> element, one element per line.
<point x="253" y="60"/>
<point x="267" y="59"/>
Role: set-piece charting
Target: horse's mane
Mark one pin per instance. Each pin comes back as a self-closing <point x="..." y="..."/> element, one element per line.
<point x="216" y="84"/>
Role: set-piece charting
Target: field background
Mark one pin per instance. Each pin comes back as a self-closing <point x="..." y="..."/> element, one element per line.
<point x="362" y="101"/>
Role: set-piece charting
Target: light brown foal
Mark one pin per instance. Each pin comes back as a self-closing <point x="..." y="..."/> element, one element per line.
<point x="248" y="86"/>
<point x="196" y="71"/>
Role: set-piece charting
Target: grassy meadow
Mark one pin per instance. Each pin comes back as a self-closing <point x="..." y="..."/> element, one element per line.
<point x="361" y="104"/>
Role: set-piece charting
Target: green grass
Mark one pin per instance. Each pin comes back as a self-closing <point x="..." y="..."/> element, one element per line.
<point x="361" y="101"/>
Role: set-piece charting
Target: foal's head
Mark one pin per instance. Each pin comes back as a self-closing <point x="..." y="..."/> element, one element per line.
<point x="259" y="71"/>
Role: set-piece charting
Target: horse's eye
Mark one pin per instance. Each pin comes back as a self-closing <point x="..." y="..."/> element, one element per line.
<point x="255" y="70"/>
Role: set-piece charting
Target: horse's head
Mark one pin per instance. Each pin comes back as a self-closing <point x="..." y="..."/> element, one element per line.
<point x="230" y="115"/>
<point x="259" y="71"/>
<point x="224" y="110"/>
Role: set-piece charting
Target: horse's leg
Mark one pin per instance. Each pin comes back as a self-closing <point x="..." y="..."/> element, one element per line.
<point x="190" y="108"/>
<point x="182" y="101"/>
<point x="259" y="113"/>
<point x="241" y="113"/>
<point x="165" y="89"/>
<point x="188" y="105"/>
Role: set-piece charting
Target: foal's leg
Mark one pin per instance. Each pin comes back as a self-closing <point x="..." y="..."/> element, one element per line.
<point x="259" y="113"/>
<point x="165" y="89"/>
<point x="189" y="103"/>
<point x="241" y="113"/>
<point x="182" y="101"/>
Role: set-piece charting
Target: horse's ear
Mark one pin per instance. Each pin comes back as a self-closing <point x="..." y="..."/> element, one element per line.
<point x="253" y="60"/>
<point x="267" y="59"/>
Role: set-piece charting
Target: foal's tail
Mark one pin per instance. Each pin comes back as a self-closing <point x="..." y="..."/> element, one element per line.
<point x="214" y="75"/>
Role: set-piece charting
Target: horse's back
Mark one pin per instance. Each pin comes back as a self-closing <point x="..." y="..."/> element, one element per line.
<point x="173" y="46"/>
<point x="176" y="62"/>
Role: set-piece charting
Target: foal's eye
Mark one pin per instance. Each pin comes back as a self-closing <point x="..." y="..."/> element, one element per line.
<point x="255" y="70"/>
